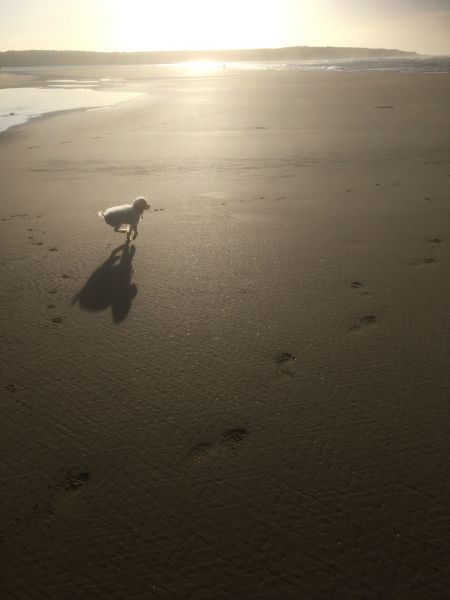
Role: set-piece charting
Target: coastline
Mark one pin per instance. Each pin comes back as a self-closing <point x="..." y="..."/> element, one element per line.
<point x="267" y="416"/>
<point x="18" y="105"/>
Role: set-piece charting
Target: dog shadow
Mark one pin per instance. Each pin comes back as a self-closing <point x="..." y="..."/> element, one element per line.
<point x="110" y="285"/>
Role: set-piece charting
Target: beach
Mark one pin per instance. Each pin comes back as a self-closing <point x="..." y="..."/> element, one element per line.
<point x="250" y="400"/>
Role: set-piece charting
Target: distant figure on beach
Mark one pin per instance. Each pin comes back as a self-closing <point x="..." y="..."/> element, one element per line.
<point x="126" y="214"/>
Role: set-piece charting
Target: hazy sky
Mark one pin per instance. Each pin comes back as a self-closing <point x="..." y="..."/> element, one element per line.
<point x="419" y="25"/>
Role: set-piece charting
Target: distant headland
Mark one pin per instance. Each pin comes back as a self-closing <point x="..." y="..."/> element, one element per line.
<point x="41" y="58"/>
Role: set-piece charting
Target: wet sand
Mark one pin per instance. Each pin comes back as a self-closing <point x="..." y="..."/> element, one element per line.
<point x="252" y="399"/>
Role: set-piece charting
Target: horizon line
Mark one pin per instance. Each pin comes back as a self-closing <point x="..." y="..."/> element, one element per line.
<point x="210" y="49"/>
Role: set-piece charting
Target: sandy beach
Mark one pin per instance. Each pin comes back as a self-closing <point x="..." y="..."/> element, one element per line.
<point x="250" y="401"/>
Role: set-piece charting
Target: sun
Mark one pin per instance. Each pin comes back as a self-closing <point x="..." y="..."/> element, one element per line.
<point x="139" y="25"/>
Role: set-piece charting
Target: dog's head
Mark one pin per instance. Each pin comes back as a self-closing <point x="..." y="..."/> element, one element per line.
<point x="141" y="204"/>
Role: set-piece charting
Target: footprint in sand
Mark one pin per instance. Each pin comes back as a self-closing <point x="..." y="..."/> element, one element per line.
<point x="423" y="262"/>
<point x="358" y="285"/>
<point x="69" y="482"/>
<point x="22" y="216"/>
<point x="363" y="323"/>
<point x="53" y="249"/>
<point x="230" y="438"/>
<point x="435" y="242"/>
<point x="32" y="238"/>
<point x="285" y="360"/>
<point x="11" y="388"/>
<point x="57" y="320"/>
<point x="233" y="437"/>
<point x="73" y="481"/>
<point x="53" y="291"/>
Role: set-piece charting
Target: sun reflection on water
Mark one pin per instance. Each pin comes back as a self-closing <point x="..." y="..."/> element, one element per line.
<point x="203" y="66"/>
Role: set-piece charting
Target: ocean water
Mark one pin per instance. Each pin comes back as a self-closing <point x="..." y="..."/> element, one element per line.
<point x="18" y="105"/>
<point x="426" y="64"/>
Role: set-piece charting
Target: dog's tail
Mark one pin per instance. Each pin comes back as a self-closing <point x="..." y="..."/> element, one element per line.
<point x="101" y="214"/>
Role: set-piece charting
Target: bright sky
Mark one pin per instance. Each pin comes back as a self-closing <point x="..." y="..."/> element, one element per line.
<point x="418" y="25"/>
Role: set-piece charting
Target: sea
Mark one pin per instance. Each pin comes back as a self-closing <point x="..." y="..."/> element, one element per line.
<point x="422" y="64"/>
<point x="51" y="93"/>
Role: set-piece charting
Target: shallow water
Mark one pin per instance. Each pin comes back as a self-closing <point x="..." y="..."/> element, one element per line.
<point x="18" y="105"/>
<point x="425" y="64"/>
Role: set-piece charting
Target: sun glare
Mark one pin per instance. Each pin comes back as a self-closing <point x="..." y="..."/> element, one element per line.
<point x="140" y="25"/>
<point x="203" y="66"/>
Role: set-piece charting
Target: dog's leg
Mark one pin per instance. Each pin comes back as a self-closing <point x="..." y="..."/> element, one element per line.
<point x="134" y="227"/>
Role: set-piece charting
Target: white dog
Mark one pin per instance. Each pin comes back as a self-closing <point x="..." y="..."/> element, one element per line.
<point x="126" y="214"/>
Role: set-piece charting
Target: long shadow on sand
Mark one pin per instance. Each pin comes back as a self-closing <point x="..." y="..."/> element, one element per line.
<point x="110" y="285"/>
